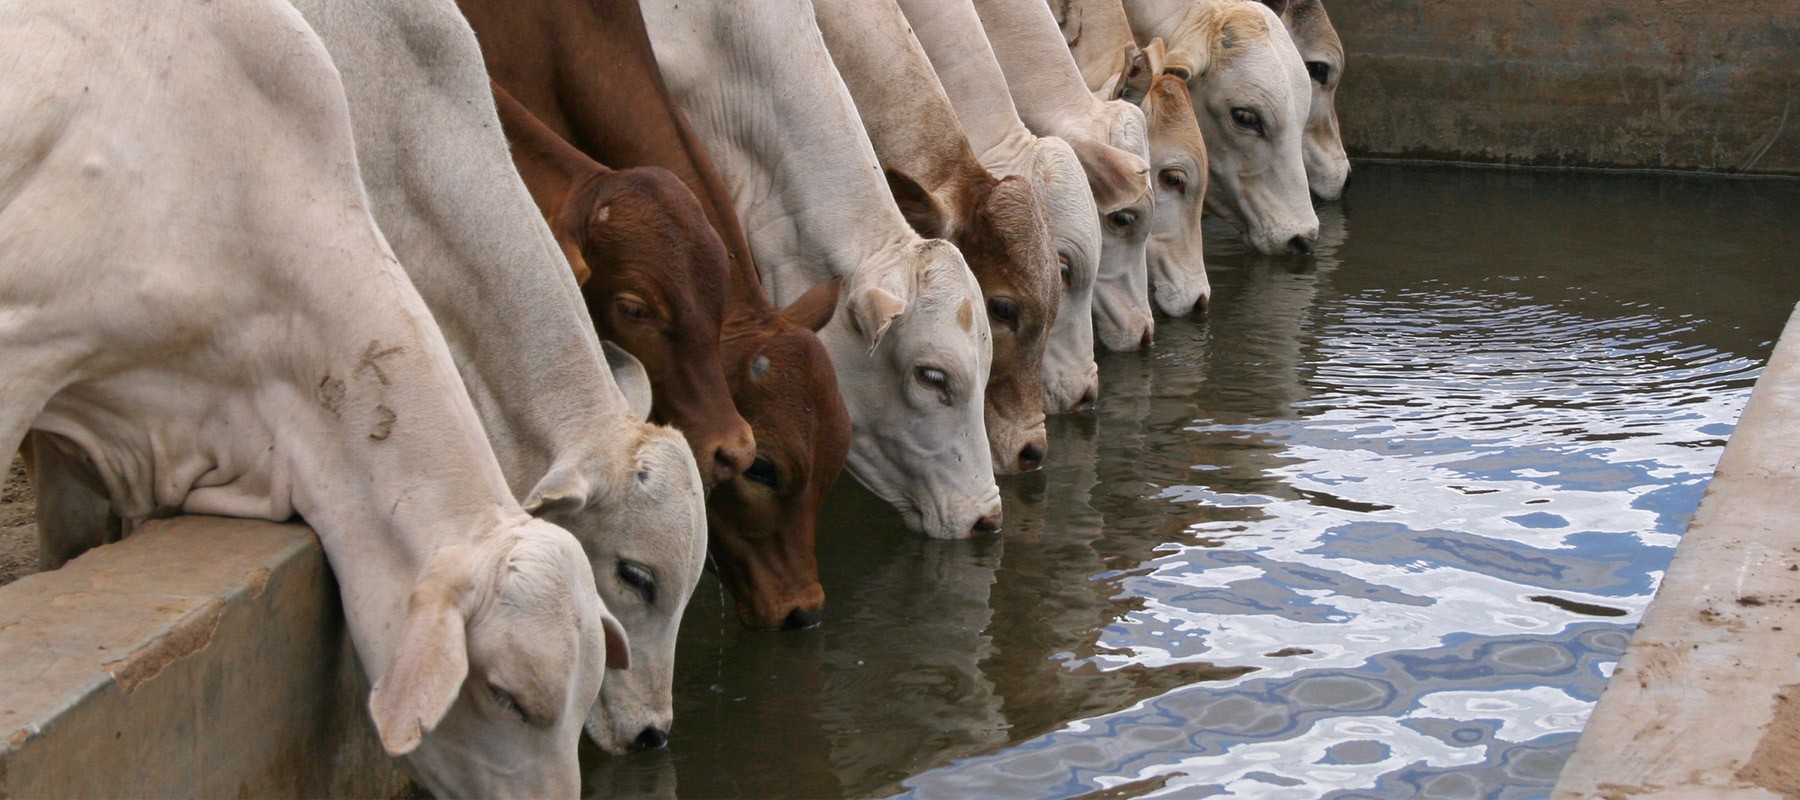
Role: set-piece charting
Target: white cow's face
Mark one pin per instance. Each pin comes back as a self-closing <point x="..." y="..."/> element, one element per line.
<point x="504" y="648"/>
<point x="1327" y="166"/>
<point x="1252" y="101"/>
<point x="1178" y="179"/>
<point x="645" y="536"/>
<point x="1071" y="378"/>
<point x="913" y="360"/>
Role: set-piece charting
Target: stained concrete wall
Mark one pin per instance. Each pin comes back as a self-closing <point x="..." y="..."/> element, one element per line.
<point x="1706" y="701"/>
<point x="1685" y="84"/>
<point x="201" y="657"/>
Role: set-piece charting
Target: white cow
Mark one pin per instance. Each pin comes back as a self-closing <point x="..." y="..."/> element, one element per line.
<point x="911" y="348"/>
<point x="444" y="190"/>
<point x="1113" y="67"/>
<point x="953" y="40"/>
<point x="1110" y="137"/>
<point x="195" y="302"/>
<point x="1327" y="166"/>
<point x="1250" y="92"/>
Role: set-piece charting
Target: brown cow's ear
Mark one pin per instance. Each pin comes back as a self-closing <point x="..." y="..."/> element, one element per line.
<point x="1116" y="178"/>
<point x="922" y="211"/>
<point x="815" y="308"/>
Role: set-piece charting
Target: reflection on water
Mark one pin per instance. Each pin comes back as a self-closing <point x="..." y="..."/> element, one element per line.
<point x="1378" y="528"/>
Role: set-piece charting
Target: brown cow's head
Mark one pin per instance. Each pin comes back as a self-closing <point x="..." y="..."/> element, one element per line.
<point x="654" y="277"/>
<point x="1003" y="231"/>
<point x="762" y="520"/>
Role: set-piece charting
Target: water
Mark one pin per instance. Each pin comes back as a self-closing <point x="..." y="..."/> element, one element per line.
<point x="1380" y="527"/>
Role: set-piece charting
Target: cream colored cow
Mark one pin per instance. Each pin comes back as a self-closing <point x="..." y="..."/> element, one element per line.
<point x="1327" y="166"/>
<point x="1249" y="90"/>
<point x="1111" y="139"/>
<point x="1113" y="67"/>
<point x="196" y="305"/>
<point x="573" y="448"/>
<point x="910" y="345"/>
<point x="952" y="37"/>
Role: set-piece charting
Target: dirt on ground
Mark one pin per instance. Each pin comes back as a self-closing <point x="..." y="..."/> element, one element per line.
<point x="18" y="534"/>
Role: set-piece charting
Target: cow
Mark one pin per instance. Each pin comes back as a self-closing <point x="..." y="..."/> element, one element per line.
<point x="952" y="38"/>
<point x="1327" y="166"/>
<point x="1109" y="136"/>
<point x="1249" y="90"/>
<point x="999" y="224"/>
<point x="572" y="443"/>
<point x="1114" y="67"/>
<point x="585" y="70"/>
<point x="911" y="349"/>
<point x="201" y="311"/>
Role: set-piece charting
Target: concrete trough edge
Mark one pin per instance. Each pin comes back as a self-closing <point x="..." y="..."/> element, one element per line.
<point x="1706" y="700"/>
<point x="201" y="657"/>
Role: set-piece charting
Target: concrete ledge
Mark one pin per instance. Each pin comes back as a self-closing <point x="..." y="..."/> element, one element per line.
<point x="202" y="657"/>
<point x="1706" y="702"/>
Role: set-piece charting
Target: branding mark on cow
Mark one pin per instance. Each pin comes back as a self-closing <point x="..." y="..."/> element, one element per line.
<point x="331" y="395"/>
<point x="384" y="423"/>
<point x="371" y="359"/>
<point x="965" y="316"/>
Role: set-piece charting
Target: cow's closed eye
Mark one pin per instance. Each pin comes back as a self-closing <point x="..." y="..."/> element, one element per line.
<point x="632" y="308"/>
<point x="763" y="471"/>
<point x="639" y="580"/>
<point x="508" y="703"/>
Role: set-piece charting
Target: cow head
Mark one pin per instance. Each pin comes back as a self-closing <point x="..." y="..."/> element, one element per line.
<point x="1177" y="263"/>
<point x="1327" y="166"/>
<point x="503" y="649"/>
<point x="913" y="353"/>
<point x="1071" y="378"/>
<point x="654" y="283"/>
<point x="1250" y="93"/>
<point x="1001" y="230"/>
<point x="762" y="521"/>
<point x="637" y="511"/>
<point x="1119" y="178"/>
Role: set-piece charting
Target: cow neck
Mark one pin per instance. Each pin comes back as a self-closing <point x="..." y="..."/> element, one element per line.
<point x="1046" y="86"/>
<point x="951" y="35"/>
<point x="909" y="120"/>
<point x="1098" y="34"/>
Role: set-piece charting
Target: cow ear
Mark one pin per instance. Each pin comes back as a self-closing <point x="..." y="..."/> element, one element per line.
<point x="1116" y="178"/>
<point x="563" y="490"/>
<point x="618" y="645"/>
<point x="425" y="674"/>
<point x="872" y="310"/>
<point x="1156" y="53"/>
<point x="815" y="308"/>
<point x="1133" y="85"/>
<point x="922" y="211"/>
<point x="629" y="374"/>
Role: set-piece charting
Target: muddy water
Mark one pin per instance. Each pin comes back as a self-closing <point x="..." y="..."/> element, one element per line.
<point x="1380" y="527"/>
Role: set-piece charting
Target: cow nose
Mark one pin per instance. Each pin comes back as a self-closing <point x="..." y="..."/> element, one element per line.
<point x="1300" y="246"/>
<point x="1031" y="457"/>
<point x="734" y="455"/>
<point x="651" y="738"/>
<point x="987" y="523"/>
<point x="1149" y="337"/>
<point x="801" y="619"/>
<point x="1090" y="397"/>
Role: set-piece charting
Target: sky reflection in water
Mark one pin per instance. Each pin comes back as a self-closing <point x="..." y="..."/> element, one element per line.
<point x="1379" y="528"/>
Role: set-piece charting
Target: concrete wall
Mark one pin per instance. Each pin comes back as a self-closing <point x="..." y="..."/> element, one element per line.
<point x="201" y="657"/>
<point x="1706" y="701"/>
<point x="1685" y="84"/>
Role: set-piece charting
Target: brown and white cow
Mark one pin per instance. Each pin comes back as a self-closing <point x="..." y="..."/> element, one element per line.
<point x="586" y="71"/>
<point x="200" y="309"/>
<point x="1000" y="225"/>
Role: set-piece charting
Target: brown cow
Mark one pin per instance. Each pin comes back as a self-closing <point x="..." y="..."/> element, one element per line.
<point x="653" y="274"/>
<point x="585" y="70"/>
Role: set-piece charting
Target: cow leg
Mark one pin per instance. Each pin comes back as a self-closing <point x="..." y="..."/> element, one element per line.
<point x="72" y="518"/>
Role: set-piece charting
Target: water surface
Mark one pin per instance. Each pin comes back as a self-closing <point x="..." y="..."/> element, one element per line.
<point x="1380" y="527"/>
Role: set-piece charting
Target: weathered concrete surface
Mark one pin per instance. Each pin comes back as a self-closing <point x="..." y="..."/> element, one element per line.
<point x="202" y="657"/>
<point x="1706" y="702"/>
<point x="1684" y="84"/>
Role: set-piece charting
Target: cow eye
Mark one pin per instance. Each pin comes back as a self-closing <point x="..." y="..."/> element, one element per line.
<point x="1062" y="263"/>
<point x="1123" y="220"/>
<point x="631" y="307"/>
<point x="505" y="700"/>
<point x="1174" y="178"/>
<point x="1320" y="72"/>
<point x="1004" y="310"/>
<point x="638" y="579"/>
<point x="763" y="471"/>
<point x="936" y="380"/>
<point x="1248" y="120"/>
